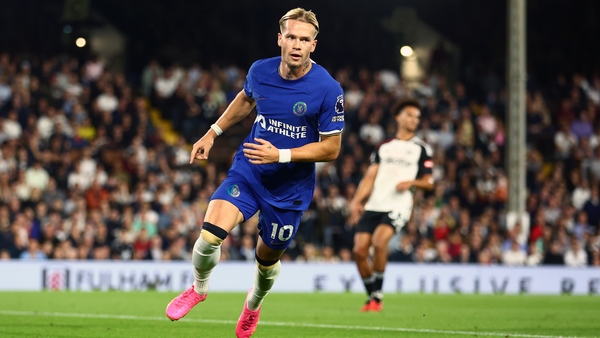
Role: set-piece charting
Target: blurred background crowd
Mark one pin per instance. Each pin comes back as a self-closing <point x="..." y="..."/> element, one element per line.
<point x="94" y="165"/>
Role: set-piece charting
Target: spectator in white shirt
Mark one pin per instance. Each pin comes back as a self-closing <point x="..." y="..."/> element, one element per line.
<point x="45" y="123"/>
<point x="515" y="256"/>
<point x="21" y="189"/>
<point x="180" y="152"/>
<point x="564" y="141"/>
<point x="12" y="128"/>
<point x="87" y="164"/>
<point x="535" y="257"/>
<point x="37" y="177"/>
<point x="107" y="101"/>
<point x="78" y="179"/>
<point x="166" y="85"/>
<point x="581" y="194"/>
<point x="575" y="256"/>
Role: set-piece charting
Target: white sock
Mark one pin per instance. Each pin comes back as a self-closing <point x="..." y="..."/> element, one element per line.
<point x="263" y="282"/>
<point x="205" y="257"/>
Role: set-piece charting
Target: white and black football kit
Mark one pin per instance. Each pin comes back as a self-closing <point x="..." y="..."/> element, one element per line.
<point x="399" y="161"/>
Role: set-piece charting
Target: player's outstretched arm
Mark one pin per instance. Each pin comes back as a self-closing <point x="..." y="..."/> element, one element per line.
<point x="237" y="110"/>
<point x="362" y="193"/>
<point x="263" y="152"/>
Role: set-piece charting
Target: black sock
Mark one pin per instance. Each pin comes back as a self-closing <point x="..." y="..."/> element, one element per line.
<point x="377" y="286"/>
<point x="369" y="283"/>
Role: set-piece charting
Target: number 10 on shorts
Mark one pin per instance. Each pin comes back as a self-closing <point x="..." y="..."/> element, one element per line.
<point x="282" y="233"/>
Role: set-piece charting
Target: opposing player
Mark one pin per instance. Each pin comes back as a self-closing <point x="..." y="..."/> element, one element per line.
<point x="300" y="117"/>
<point x="397" y="166"/>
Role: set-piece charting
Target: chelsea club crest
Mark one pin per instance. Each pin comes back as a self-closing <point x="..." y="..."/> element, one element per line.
<point x="299" y="108"/>
<point x="233" y="190"/>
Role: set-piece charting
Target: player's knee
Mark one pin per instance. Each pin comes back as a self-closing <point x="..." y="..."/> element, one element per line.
<point x="212" y="234"/>
<point x="360" y="252"/>
<point x="264" y="264"/>
<point x="380" y="246"/>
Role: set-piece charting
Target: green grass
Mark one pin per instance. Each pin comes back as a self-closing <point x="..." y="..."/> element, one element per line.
<point x="138" y="314"/>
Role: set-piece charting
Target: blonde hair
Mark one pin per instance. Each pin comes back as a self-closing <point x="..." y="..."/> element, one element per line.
<point x="300" y="14"/>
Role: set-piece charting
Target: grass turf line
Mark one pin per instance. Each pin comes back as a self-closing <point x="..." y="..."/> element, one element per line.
<point x="115" y="314"/>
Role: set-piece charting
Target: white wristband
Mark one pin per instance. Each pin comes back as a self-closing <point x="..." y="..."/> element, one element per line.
<point x="285" y="155"/>
<point x="217" y="129"/>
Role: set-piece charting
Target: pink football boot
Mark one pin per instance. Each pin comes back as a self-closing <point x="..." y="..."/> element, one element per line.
<point x="183" y="303"/>
<point x="247" y="322"/>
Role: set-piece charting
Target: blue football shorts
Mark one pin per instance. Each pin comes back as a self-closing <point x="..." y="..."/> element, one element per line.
<point x="277" y="227"/>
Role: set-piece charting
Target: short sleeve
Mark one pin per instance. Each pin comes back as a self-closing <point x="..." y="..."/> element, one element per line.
<point x="425" y="162"/>
<point x="331" y="116"/>
<point x="375" y="158"/>
<point x="249" y="83"/>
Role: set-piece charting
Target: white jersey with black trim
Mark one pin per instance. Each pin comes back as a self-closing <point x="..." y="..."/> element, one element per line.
<point x="399" y="161"/>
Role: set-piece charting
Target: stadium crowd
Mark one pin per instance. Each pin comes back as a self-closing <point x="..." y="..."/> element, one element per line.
<point x="86" y="173"/>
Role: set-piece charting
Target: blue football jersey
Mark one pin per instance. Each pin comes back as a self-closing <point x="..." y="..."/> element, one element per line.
<point x="291" y="113"/>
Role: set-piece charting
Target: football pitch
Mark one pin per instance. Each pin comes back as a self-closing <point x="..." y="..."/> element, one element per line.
<point x="141" y="314"/>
